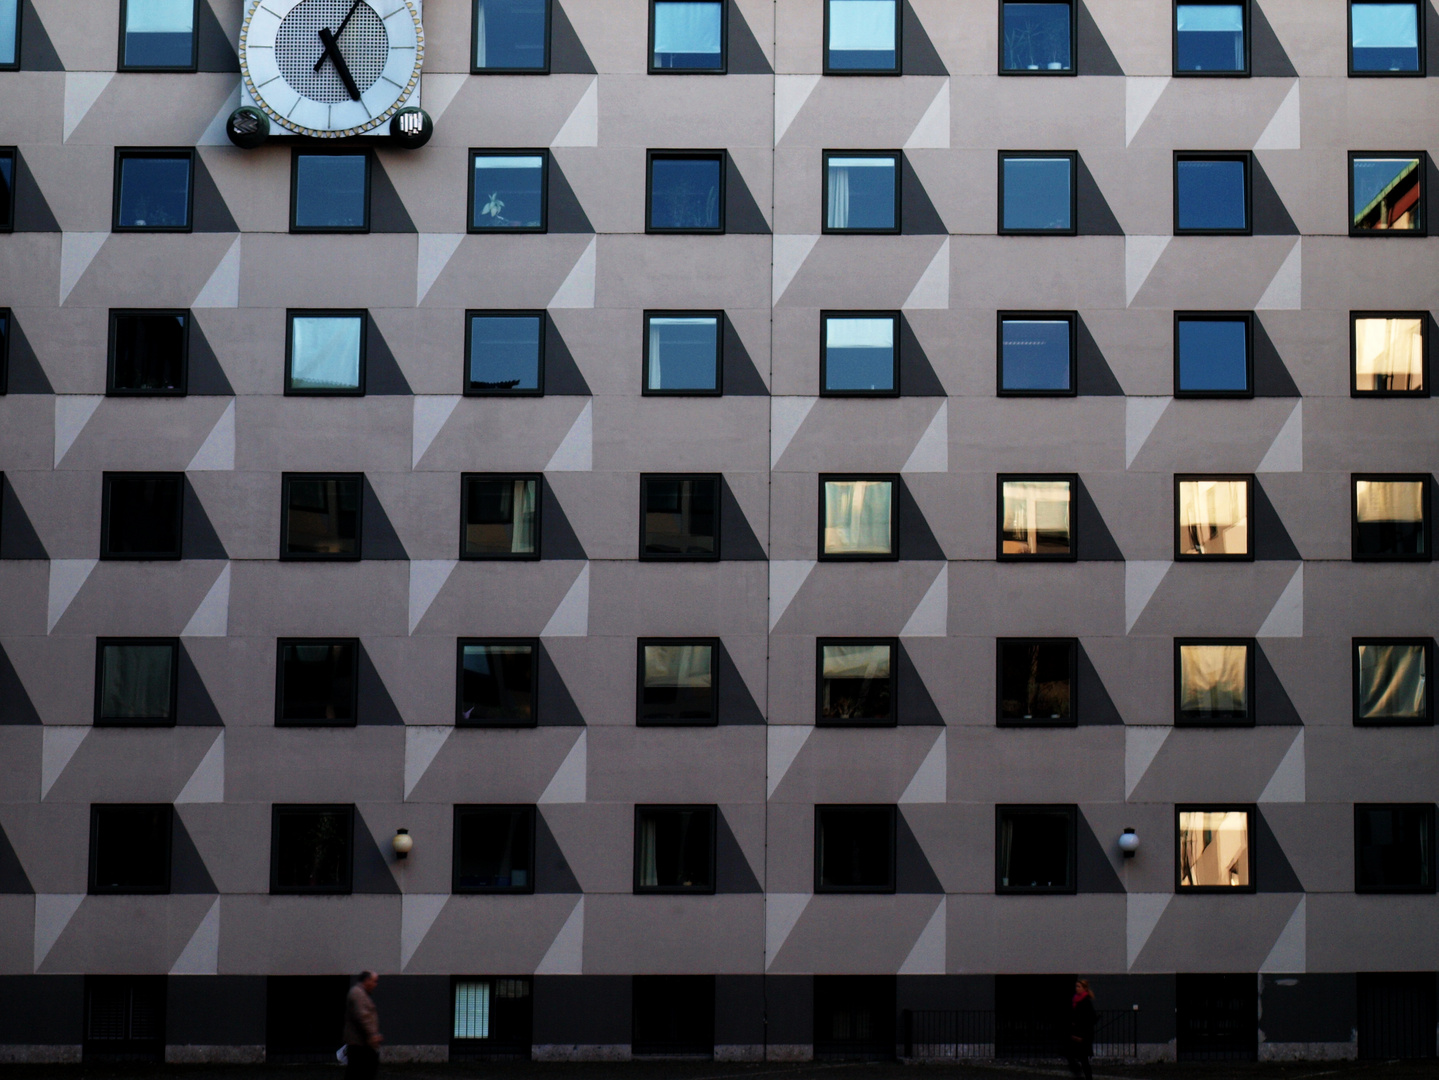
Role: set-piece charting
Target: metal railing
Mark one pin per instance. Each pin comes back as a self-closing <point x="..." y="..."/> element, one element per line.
<point x="978" y="1034"/>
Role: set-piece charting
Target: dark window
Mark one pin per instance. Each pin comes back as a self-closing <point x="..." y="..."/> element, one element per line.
<point x="857" y="682"/>
<point x="1392" y="677"/>
<point x="157" y="35"/>
<point x="124" y="1018"/>
<point x="861" y="37"/>
<point x="148" y="352"/>
<point x="135" y="681"/>
<point x="507" y="190"/>
<point x="302" y="1015"/>
<point x="9" y="34"/>
<point x="1386" y="38"/>
<point x="674" y="849"/>
<point x="1037" y="193"/>
<point x="1389" y="353"/>
<point x="859" y="354"/>
<point x="854" y="1017"/>
<point x="1217" y="1017"/>
<point x="674" y="1015"/>
<point x="861" y="191"/>
<point x="1036" y="38"/>
<point x="4" y="349"/>
<point x="7" y="183"/>
<point x="330" y="191"/>
<point x="492" y="1016"/>
<point x="858" y="517"/>
<point x="1211" y="37"/>
<point x="311" y="849"/>
<point x="1035" y="849"/>
<point x="1394" y="848"/>
<point x="142" y="515"/>
<point x="494" y="852"/>
<point x="1214" y="682"/>
<point x="500" y="517"/>
<point x="1212" y="516"/>
<point x="1386" y="194"/>
<point x="1036" y="517"/>
<point x="679" y="517"/>
<point x="1032" y="1016"/>
<point x="1213" y="849"/>
<point x="1391" y="517"/>
<point x="682" y="352"/>
<point x="153" y="190"/>
<point x="320" y="515"/>
<point x="686" y="192"/>
<point x="1036" y="354"/>
<point x="511" y="36"/>
<point x="317" y="683"/>
<point x="497" y="683"/>
<point x="1037" y="680"/>
<point x="854" y="849"/>
<point x="677" y="683"/>
<point x="1397" y="1011"/>
<point x="325" y="353"/>
<point x="1211" y="193"/>
<point x="504" y="352"/>
<point x="130" y="848"/>
<point x="687" y="36"/>
<point x="1212" y="355"/>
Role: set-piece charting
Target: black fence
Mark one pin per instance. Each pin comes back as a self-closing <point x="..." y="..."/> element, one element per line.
<point x="981" y="1034"/>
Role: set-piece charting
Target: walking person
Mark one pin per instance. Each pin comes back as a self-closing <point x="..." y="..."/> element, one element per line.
<point x="1081" y="1030"/>
<point x="362" y="1029"/>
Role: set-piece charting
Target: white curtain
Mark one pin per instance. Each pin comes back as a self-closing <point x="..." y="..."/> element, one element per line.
<point x="158" y="17"/>
<point x="1389" y="354"/>
<point x="9" y="14"/>
<point x="1214" y="517"/>
<point x="1391" y="681"/>
<point x="688" y="27"/>
<point x="480" y="49"/>
<point x="649" y="871"/>
<point x="1214" y="848"/>
<point x="859" y="333"/>
<point x="1032" y="507"/>
<point x="1389" y="500"/>
<point x="1213" y="678"/>
<point x="678" y="665"/>
<point x="1385" y="26"/>
<point x="857" y="517"/>
<point x="861" y="25"/>
<point x="856" y="661"/>
<point x="325" y="353"/>
<point x="838" y="196"/>
<point x="522" y="535"/>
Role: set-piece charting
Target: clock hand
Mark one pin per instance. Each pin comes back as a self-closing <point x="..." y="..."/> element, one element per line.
<point x="342" y="69"/>
<point x="330" y="43"/>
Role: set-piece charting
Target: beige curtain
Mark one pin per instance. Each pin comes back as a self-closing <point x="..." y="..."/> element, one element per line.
<point x="856" y="661"/>
<point x="1213" y="517"/>
<point x="857" y="517"/>
<point x="678" y="665"/>
<point x="1390" y="500"/>
<point x="1389" y="354"/>
<point x="1212" y="678"/>
<point x="1214" y="848"/>
<point x="1391" y="681"/>
<point x="1036" y="516"/>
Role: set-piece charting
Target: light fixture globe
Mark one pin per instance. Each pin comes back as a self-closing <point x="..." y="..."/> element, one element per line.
<point x="402" y="843"/>
<point x="1129" y="843"/>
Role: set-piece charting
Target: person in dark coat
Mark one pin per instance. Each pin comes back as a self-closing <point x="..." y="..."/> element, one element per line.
<point x="362" y="1029"/>
<point x="1081" y="1030"/>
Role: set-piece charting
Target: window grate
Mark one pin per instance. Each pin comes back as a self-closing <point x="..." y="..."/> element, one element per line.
<point x="472" y="1010"/>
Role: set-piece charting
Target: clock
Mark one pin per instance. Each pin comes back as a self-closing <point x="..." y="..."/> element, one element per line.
<point x="329" y="69"/>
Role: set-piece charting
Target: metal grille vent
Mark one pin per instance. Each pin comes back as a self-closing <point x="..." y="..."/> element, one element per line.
<point x="364" y="45"/>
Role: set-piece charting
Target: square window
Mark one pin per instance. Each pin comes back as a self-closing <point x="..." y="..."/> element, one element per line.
<point x="494" y="852"/>
<point x="148" y="352"/>
<point x="861" y="37"/>
<point x="317" y="683"/>
<point x="153" y="190"/>
<point x="1035" y="849"/>
<point x="1212" y="849"/>
<point x="510" y="36"/>
<point x="854" y="849"/>
<point x="124" y="1019"/>
<point x="1036" y="517"/>
<point x="857" y="683"/>
<point x="1213" y="682"/>
<point x="136" y="681"/>
<point x="141" y="515"/>
<point x="500" y="517"/>
<point x="311" y="849"/>
<point x="1211" y="194"/>
<point x="1390" y="353"/>
<point x="508" y="190"/>
<point x="686" y="192"/>
<point x="1212" y="516"/>
<point x="1037" y="354"/>
<point x="492" y="1016"/>
<point x="1385" y="37"/>
<point x="330" y="192"/>
<point x="861" y="192"/>
<point x="1211" y="37"/>
<point x="1037" y="193"/>
<point x="674" y="849"/>
<point x="679" y="517"/>
<point x="1391" y="518"/>
<point x="1394" y="848"/>
<point x="320" y="515"/>
<point x="157" y="35"/>
<point x="677" y="682"/>
<point x="682" y="352"/>
<point x="859" y="354"/>
<point x="9" y="34"/>
<point x="1036" y="38"/>
<point x="325" y="353"/>
<point x="673" y="1016"/>
<point x="7" y="187"/>
<point x="504" y="353"/>
<point x="1037" y="679"/>
<point x="1213" y="355"/>
<point x="130" y="848"/>
<point x="1391" y="681"/>
<point x="858" y="518"/>
<point x="497" y="683"/>
<point x="687" y="36"/>
<point x="1386" y="194"/>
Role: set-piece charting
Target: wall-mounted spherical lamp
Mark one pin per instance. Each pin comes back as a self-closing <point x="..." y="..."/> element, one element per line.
<point x="402" y="843"/>
<point x="1129" y="843"/>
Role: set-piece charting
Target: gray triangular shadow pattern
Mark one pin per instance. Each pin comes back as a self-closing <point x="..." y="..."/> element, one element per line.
<point x="738" y="542"/>
<point x="555" y="705"/>
<point x="1095" y="707"/>
<point x="917" y="542"/>
<point x="1094" y="873"/>
<point x="215" y="53"/>
<point x="733" y="873"/>
<point x="557" y="536"/>
<point x="383" y="376"/>
<point x="912" y="870"/>
<point x="24" y="374"/>
<point x="1271" y="218"/>
<point x="918" y="54"/>
<point x="740" y="376"/>
<point x="18" y="539"/>
<point x="370" y="869"/>
<point x="209" y="213"/>
<point x="198" y="538"/>
<point x="1272" y="704"/>
<point x="564" y="212"/>
<point x="912" y="697"/>
<point x="188" y="874"/>
<point x="375" y="707"/>
<point x="194" y="707"/>
<point x="1094" y="375"/>
<point x="32" y="209"/>
<point x="917" y="377"/>
<point x="918" y="217"/>
<point x="1095" y="218"/>
<point x="1271" y="375"/>
<point x="562" y="374"/>
<point x="387" y="209"/>
<point x="1273" y="871"/>
<point x="1095" y="543"/>
<point x="378" y="537"/>
<point x="36" y="51"/>
<point x="13" y="879"/>
<point x="567" y="52"/>
<point x="16" y="708"/>
<point x="1093" y="53"/>
<point x="552" y="869"/>
<point x="742" y="213"/>
<point x="745" y="55"/>
<point x="1272" y="541"/>
<point x="736" y="704"/>
<point x="206" y="378"/>
<point x="1267" y="58"/>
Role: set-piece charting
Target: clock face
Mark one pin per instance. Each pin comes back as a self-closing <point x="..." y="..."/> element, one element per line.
<point x="331" y="68"/>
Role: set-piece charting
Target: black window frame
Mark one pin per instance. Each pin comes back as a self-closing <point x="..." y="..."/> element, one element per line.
<point x="892" y="720"/>
<point x="533" y="644"/>
<point x="1250" y="483"/>
<point x="127" y="153"/>
<point x="1396" y="890"/>
<point x="467" y="388"/>
<point x="1071" y="317"/>
<point x="466" y="810"/>
<point x="898" y="68"/>
<point x="291" y="314"/>
<point x="281" y="810"/>
<point x="1427" y="720"/>
<point x="1244" y="156"/>
<point x="538" y="480"/>
<point x="1073" y="68"/>
<point x="1072" y="479"/>
<point x="286" y="556"/>
<point x="712" y="812"/>
<point x="1072" y="156"/>
<point x="111" y="390"/>
<point x="1247" y="318"/>
<point x="824" y="317"/>
<point x="475" y="153"/>
<point x="1188" y="720"/>
<point x="1071" y="813"/>
<point x="106" y="555"/>
<point x="1354" y="319"/>
<point x="896" y="156"/>
<point x="896" y="490"/>
<point x="888" y="889"/>
<point x="651" y="156"/>
<point x="99" y="720"/>
<point x="543" y="69"/>
<point x="354" y="645"/>
<point x="715" y="478"/>
<point x="93" y="857"/>
<point x="192" y="66"/>
<point x="1248" y="31"/>
<point x="19" y="37"/>
<point x="640" y="719"/>
<point x="7" y="210"/>
<point x="1349" y="50"/>
<point x="723" y="68"/>
<point x="1391" y="234"/>
<point x="1072" y="645"/>
<point x="651" y="313"/>
<point x="296" y="153"/>
<point x="1251" y="829"/>
<point x="1427" y="479"/>
<point x="7" y="331"/>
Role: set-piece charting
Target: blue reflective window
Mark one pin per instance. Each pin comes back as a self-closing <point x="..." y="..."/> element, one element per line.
<point x="859" y="354"/>
<point x="332" y="192"/>
<point x="1212" y="356"/>
<point x="154" y="191"/>
<point x="1388" y="193"/>
<point x="688" y="35"/>
<point x="1384" y="37"/>
<point x="863" y="35"/>
<point x="1035" y="355"/>
<point x="1037" y="37"/>
<point x="326" y="354"/>
<point x="861" y="193"/>
<point x="1209" y="37"/>
<point x="507" y="193"/>
<point x="1211" y="195"/>
<point x="159" y="34"/>
<point x="687" y="193"/>
<point x="505" y="353"/>
<point x="1037" y="194"/>
<point x="682" y="354"/>
<point x="511" y="35"/>
<point x="9" y="32"/>
<point x="7" y="190"/>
